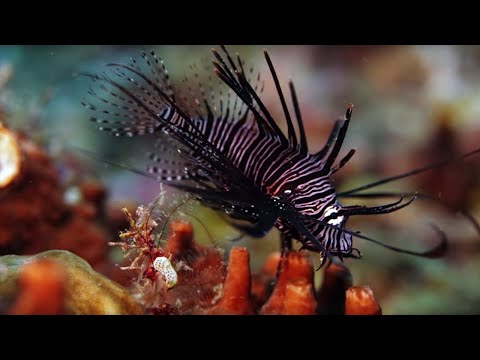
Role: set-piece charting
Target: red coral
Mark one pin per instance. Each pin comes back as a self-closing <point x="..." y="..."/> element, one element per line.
<point x="88" y="242"/>
<point x="200" y="270"/>
<point x="34" y="216"/>
<point x="9" y="157"/>
<point x="94" y="193"/>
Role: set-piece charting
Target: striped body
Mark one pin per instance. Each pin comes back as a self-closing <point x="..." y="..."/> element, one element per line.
<point x="277" y="170"/>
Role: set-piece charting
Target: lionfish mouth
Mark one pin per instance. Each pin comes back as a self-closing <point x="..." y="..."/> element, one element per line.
<point x="220" y="143"/>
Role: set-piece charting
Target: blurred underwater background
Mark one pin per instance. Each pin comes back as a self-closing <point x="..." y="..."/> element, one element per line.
<point x="413" y="105"/>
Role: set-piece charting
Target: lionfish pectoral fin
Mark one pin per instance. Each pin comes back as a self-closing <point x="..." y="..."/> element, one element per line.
<point x="323" y="260"/>
<point x="472" y="220"/>
<point x="286" y="242"/>
<point x="435" y="252"/>
<point x="441" y="248"/>
<point x="418" y="195"/>
<point x="104" y="160"/>
<point x="416" y="171"/>
<point x="238" y="238"/>
<point x="356" y="255"/>
<point x="258" y="229"/>
<point x="385" y="194"/>
<point x="377" y="210"/>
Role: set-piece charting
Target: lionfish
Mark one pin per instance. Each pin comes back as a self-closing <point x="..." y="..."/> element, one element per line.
<point x="226" y="149"/>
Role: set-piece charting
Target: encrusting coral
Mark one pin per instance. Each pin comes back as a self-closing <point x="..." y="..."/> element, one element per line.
<point x="58" y="281"/>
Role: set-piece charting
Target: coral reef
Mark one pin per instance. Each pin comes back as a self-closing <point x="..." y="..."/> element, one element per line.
<point x="293" y="292"/>
<point x="59" y="282"/>
<point x="165" y="271"/>
<point x="204" y="284"/>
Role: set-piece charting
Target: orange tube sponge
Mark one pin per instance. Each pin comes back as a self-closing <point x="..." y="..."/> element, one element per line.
<point x="360" y="301"/>
<point x="235" y="298"/>
<point x="41" y="289"/>
<point x="262" y="282"/>
<point x="331" y="295"/>
<point x="293" y="293"/>
<point x="180" y="243"/>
